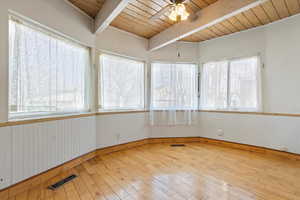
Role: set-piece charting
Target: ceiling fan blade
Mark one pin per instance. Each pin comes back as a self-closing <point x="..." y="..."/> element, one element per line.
<point x="161" y="12"/>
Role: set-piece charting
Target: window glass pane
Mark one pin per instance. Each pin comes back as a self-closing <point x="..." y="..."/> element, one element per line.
<point x="244" y="84"/>
<point x="174" y="86"/>
<point x="122" y="83"/>
<point x="214" y="85"/>
<point x="46" y="74"/>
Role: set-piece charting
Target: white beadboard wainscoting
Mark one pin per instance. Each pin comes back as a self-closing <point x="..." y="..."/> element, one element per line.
<point x="27" y="150"/>
<point x="5" y="156"/>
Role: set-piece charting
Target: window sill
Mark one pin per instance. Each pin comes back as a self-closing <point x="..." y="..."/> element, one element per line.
<point x="44" y="118"/>
<point x="230" y="111"/>
<point x="111" y="112"/>
<point x="251" y="113"/>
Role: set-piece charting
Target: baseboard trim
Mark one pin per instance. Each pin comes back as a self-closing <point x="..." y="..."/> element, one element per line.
<point x="235" y="145"/>
<point x="18" y="188"/>
<point x="251" y="148"/>
<point x="120" y="147"/>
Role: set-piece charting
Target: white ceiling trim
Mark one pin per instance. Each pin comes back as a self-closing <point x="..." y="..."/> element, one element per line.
<point x="109" y="11"/>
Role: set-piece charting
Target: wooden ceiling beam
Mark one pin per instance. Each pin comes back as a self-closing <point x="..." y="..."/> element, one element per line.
<point x="109" y="11"/>
<point x="209" y="16"/>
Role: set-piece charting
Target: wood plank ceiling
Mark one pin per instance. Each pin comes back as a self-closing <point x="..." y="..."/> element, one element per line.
<point x="135" y="17"/>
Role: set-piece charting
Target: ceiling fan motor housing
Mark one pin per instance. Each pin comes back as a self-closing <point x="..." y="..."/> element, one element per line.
<point x="177" y="1"/>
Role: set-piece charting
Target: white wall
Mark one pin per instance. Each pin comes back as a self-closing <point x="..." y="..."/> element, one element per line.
<point x="123" y="43"/>
<point x="188" y="53"/>
<point x="126" y="44"/>
<point x="281" y="133"/>
<point x="278" y="44"/>
<point x="121" y="128"/>
<point x="55" y="14"/>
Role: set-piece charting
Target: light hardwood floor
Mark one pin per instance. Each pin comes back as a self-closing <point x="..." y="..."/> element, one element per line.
<point x="160" y="172"/>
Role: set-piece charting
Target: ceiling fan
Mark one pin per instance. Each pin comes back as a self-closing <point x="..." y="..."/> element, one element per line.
<point x="176" y="11"/>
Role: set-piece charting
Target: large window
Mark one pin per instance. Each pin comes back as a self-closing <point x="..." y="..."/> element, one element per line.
<point x="47" y="74"/>
<point x="174" y="86"/>
<point x="121" y="83"/>
<point x="231" y="85"/>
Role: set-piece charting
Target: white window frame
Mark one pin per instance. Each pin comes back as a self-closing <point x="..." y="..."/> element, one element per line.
<point x="60" y="36"/>
<point x="172" y="62"/>
<point x="259" y="84"/>
<point x="99" y="95"/>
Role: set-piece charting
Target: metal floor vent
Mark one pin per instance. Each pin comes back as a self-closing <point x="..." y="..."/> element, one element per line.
<point x="177" y="145"/>
<point x="62" y="182"/>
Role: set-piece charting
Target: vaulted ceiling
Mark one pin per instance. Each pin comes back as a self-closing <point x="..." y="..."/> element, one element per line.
<point x="135" y="18"/>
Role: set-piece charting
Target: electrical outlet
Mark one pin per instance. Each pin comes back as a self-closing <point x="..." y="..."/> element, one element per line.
<point x="220" y="132"/>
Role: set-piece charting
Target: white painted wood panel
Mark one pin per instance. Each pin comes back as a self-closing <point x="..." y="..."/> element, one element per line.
<point x="5" y="157"/>
<point x="42" y="146"/>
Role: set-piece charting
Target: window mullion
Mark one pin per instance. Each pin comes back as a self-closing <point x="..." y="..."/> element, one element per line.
<point x="199" y="86"/>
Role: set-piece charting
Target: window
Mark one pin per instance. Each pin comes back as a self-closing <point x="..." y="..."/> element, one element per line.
<point x="231" y="85"/>
<point x="121" y="83"/>
<point x="47" y="74"/>
<point x="174" y="86"/>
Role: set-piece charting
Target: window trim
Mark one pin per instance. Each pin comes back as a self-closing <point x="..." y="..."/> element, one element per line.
<point x="47" y="115"/>
<point x="259" y="84"/>
<point x="12" y="117"/>
<point x="198" y="72"/>
<point x="99" y="86"/>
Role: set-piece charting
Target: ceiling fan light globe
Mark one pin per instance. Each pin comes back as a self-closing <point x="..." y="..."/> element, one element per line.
<point x="185" y="16"/>
<point x="178" y="13"/>
<point x="180" y="9"/>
